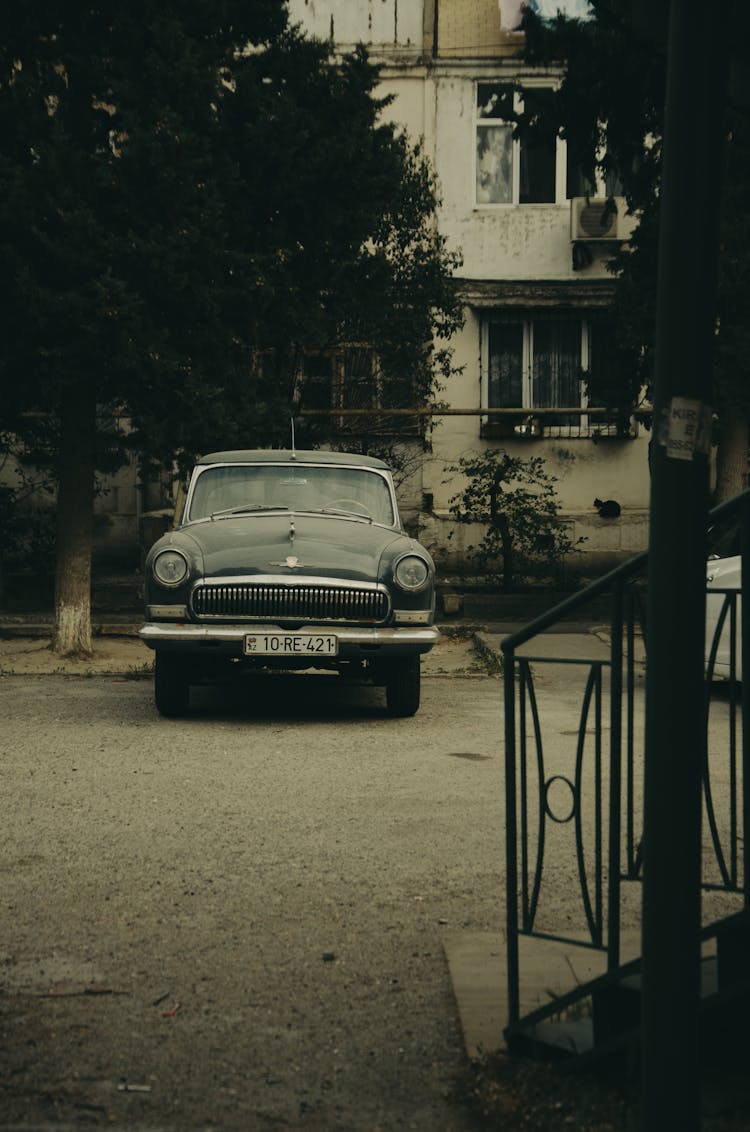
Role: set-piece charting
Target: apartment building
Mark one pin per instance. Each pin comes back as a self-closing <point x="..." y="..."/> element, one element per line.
<point x="534" y="280"/>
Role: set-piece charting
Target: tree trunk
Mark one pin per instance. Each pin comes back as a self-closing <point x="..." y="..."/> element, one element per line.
<point x="75" y="512"/>
<point x="500" y="522"/>
<point x="731" y="462"/>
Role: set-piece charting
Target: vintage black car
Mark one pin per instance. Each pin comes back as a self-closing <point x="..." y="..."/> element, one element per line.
<point x="289" y="560"/>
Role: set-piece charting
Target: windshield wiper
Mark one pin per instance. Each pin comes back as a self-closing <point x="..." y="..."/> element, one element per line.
<point x="246" y="509"/>
<point x="349" y="514"/>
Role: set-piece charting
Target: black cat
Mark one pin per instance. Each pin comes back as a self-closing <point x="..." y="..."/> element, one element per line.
<point x="607" y="508"/>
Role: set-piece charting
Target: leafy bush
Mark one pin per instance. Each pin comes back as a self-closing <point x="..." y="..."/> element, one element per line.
<point x="27" y="517"/>
<point x="27" y="536"/>
<point x="515" y="500"/>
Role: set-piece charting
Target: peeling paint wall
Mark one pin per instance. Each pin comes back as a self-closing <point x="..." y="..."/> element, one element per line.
<point x="375" y="22"/>
<point x="497" y="241"/>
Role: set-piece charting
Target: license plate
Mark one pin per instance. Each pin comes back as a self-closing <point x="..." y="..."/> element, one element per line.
<point x="291" y="644"/>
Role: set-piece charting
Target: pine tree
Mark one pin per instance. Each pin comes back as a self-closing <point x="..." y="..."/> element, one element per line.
<point x="190" y="192"/>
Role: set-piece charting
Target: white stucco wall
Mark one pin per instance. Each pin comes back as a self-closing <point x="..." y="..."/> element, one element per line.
<point x="586" y="469"/>
<point x="530" y="241"/>
<point x="411" y="108"/>
<point x="385" y="23"/>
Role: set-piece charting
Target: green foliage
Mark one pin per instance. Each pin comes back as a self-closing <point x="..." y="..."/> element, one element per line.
<point x="611" y="100"/>
<point x="487" y="659"/>
<point x="32" y="542"/>
<point x="26" y="517"/>
<point x="610" y="107"/>
<point x="27" y="540"/>
<point x="515" y="500"/>
<point x="186" y="188"/>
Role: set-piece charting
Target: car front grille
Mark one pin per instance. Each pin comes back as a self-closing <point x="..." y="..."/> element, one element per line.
<point x="261" y="601"/>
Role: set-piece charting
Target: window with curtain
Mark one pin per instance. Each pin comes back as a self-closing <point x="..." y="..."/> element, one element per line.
<point x="556" y="362"/>
<point x="505" y="364"/>
<point x="540" y="359"/>
<point x="534" y="359"/>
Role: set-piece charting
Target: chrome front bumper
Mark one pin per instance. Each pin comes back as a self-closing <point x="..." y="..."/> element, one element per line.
<point x="229" y="638"/>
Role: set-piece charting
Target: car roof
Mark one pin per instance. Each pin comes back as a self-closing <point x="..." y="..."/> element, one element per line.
<point x="285" y="456"/>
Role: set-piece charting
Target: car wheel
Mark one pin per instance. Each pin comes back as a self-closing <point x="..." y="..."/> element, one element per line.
<point x="171" y="685"/>
<point x="402" y="686"/>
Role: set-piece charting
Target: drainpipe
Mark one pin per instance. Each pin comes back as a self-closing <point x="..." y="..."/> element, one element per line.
<point x="675" y="730"/>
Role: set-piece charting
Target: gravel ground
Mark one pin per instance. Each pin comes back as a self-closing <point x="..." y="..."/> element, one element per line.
<point x="234" y="921"/>
<point x="125" y="655"/>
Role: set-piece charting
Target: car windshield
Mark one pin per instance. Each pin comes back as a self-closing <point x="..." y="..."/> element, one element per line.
<point x="322" y="488"/>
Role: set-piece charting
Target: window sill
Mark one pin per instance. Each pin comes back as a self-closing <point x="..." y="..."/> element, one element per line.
<point x="490" y="206"/>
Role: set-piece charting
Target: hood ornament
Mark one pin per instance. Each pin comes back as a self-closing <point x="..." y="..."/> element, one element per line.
<point x="291" y="562"/>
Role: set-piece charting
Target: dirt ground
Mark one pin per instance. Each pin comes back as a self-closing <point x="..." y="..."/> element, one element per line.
<point x="497" y="1091"/>
<point x="126" y="655"/>
<point x="233" y="920"/>
<point x="32" y="656"/>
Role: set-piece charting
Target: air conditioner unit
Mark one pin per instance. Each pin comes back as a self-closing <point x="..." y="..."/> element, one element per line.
<point x="596" y="218"/>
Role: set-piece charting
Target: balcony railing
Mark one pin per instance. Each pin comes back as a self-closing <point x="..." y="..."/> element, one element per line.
<point x="566" y="423"/>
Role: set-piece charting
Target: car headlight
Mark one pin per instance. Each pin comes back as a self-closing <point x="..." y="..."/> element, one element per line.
<point x="411" y="573"/>
<point x="170" y="567"/>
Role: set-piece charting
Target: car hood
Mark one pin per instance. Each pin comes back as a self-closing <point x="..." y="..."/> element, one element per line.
<point x="328" y="545"/>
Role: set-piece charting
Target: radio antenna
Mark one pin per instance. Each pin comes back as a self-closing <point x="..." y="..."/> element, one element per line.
<point x="291" y="423"/>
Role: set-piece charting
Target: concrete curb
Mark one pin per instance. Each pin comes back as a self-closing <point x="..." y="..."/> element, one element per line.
<point x="39" y="623"/>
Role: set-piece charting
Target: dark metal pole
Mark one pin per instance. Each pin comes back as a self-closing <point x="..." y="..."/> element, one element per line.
<point x="745" y="654"/>
<point x="511" y="831"/>
<point x="688" y="253"/>
<point x="614" y="858"/>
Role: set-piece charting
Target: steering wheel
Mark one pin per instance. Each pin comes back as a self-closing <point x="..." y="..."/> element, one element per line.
<point x="353" y="505"/>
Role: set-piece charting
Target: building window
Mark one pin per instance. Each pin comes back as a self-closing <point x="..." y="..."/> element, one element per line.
<point x="346" y="388"/>
<point x="338" y="379"/>
<point x="317" y="380"/>
<point x="515" y="171"/>
<point x="359" y="378"/>
<point x="535" y="359"/>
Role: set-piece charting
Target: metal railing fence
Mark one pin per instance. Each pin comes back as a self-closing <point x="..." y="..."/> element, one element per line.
<point x="603" y="811"/>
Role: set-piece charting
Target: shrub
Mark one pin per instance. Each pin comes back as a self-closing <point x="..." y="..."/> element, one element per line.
<point x="515" y="500"/>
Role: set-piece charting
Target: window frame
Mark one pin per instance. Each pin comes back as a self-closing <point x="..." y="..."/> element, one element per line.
<point x="527" y="319"/>
<point x="326" y="370"/>
<point x="561" y="148"/>
<point x="517" y="420"/>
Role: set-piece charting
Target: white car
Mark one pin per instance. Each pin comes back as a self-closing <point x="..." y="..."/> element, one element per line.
<point x="723" y="610"/>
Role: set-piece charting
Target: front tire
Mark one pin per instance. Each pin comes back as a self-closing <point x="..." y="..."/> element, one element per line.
<point x="402" y="686"/>
<point x="171" y="685"/>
